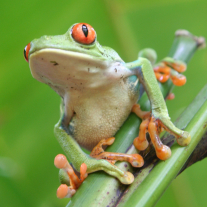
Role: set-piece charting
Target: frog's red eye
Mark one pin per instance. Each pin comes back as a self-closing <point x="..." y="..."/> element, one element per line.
<point x="26" y="52"/>
<point x="83" y="33"/>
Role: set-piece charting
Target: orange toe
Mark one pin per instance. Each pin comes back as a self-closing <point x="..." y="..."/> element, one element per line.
<point x="65" y="192"/>
<point x="83" y="173"/>
<point x="140" y="144"/>
<point x="60" y="161"/>
<point x="170" y="96"/>
<point x="163" y="153"/>
<point x="178" y="80"/>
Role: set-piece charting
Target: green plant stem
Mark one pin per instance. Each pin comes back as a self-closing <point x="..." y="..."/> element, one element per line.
<point x="100" y="189"/>
<point x="198" y="154"/>
<point x="146" y="192"/>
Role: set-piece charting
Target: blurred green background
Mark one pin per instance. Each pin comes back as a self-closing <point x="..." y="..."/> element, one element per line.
<point x="29" y="109"/>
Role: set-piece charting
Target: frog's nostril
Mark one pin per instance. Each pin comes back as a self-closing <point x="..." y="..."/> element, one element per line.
<point x="26" y="52"/>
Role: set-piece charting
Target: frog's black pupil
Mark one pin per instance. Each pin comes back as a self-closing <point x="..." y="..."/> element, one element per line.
<point x="25" y="52"/>
<point x="85" y="30"/>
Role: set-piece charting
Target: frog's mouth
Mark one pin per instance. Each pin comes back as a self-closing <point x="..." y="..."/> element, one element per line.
<point x="61" y="68"/>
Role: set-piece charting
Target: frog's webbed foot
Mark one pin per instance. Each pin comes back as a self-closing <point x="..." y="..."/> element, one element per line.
<point x="170" y="68"/>
<point x="65" y="191"/>
<point x="103" y="161"/>
<point x="98" y="152"/>
<point x="154" y="126"/>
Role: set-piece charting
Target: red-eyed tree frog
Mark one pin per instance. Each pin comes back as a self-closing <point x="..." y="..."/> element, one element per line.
<point x="99" y="91"/>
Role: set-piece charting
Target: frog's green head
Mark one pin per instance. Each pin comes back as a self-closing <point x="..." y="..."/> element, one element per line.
<point x="79" y="38"/>
<point x="51" y="58"/>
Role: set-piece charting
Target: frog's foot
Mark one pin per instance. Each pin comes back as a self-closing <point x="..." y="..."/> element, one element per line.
<point x="170" y="68"/>
<point x="70" y="180"/>
<point x="154" y="126"/>
<point x="65" y="191"/>
<point x="98" y="152"/>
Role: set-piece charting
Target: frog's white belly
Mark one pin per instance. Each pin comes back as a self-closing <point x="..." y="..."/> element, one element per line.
<point x="101" y="114"/>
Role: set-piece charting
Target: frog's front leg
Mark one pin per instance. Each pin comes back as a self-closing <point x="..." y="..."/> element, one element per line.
<point x="154" y="127"/>
<point x="98" y="152"/>
<point x="67" y="175"/>
<point x="158" y="119"/>
<point x="168" y="68"/>
<point x="85" y="163"/>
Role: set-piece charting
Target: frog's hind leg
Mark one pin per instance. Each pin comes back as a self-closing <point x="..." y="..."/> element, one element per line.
<point x="99" y="153"/>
